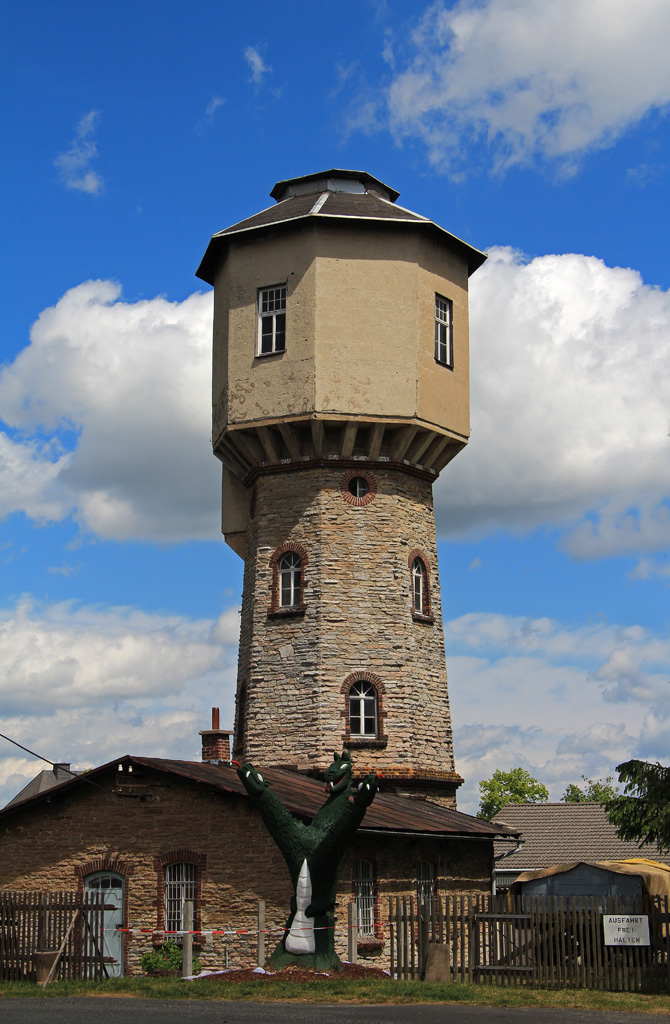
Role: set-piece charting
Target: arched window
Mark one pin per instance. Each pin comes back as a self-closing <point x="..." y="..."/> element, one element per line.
<point x="290" y="580"/>
<point x="179" y="878"/>
<point x="363" y="710"/>
<point x="418" y="584"/>
<point x="364" y="891"/>
<point x="287" y="595"/>
<point x="181" y="883"/>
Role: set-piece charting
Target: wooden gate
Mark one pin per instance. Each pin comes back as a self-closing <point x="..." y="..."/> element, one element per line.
<point x="550" y="942"/>
<point x="68" y="922"/>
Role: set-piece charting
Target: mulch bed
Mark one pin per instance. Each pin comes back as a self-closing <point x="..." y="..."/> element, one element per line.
<point x="299" y="974"/>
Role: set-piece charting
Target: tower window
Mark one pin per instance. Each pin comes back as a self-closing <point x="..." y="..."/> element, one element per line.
<point x="272" y="320"/>
<point x="290" y="582"/>
<point x="419" y="586"/>
<point x="363" y="710"/>
<point x="444" y="331"/>
<point x="358" y="486"/>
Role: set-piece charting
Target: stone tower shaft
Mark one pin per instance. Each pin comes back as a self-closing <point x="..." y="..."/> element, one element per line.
<point x="340" y="391"/>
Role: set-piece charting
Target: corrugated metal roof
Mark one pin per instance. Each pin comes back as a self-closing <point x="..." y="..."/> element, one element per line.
<point x="302" y="795"/>
<point x="559" y="833"/>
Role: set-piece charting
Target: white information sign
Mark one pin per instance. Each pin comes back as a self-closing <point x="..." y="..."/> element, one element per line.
<point x="626" y="929"/>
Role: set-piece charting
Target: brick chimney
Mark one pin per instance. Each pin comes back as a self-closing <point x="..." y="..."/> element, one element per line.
<point x="216" y="742"/>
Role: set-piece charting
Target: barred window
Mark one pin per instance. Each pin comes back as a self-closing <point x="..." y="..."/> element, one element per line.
<point x="180" y="885"/>
<point x="443" y="331"/>
<point x="271" y="320"/>
<point x="364" y="878"/>
<point x="290" y="589"/>
<point x="363" y="710"/>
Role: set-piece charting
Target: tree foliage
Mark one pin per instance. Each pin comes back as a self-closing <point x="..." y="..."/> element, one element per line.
<point x="516" y="786"/>
<point x="642" y="812"/>
<point x="598" y="790"/>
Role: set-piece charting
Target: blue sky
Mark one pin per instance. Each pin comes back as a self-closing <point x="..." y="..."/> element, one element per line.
<point x="537" y="132"/>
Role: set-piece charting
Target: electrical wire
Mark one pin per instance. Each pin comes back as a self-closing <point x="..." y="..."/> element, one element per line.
<point x="75" y="775"/>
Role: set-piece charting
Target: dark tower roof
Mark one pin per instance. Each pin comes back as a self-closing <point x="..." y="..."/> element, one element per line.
<point x="331" y="196"/>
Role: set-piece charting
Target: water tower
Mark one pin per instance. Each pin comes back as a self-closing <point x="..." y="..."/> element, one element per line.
<point x="340" y="392"/>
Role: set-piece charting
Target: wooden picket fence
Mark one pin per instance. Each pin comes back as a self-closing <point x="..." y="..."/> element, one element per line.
<point x="549" y="942"/>
<point x="69" y="922"/>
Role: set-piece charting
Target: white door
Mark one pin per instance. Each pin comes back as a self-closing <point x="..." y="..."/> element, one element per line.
<point x="111" y="887"/>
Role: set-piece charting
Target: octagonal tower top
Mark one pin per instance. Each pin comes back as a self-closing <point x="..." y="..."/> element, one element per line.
<point x="340" y="332"/>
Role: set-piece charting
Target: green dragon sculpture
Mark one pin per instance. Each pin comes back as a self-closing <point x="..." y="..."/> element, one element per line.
<point x="312" y="853"/>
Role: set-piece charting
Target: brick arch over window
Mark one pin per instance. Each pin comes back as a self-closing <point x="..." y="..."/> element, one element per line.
<point x="183" y="856"/>
<point x="352" y="499"/>
<point x="378" y="742"/>
<point x="276" y="609"/>
<point x="111" y="864"/>
<point x="424" y="613"/>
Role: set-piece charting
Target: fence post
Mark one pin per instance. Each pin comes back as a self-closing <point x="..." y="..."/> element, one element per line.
<point x="260" y="953"/>
<point x="424" y="938"/>
<point x="352" y="933"/>
<point x="187" y="959"/>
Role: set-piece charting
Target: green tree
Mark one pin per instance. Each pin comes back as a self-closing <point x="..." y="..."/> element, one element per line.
<point x="516" y="786"/>
<point x="642" y="812"/>
<point x="598" y="790"/>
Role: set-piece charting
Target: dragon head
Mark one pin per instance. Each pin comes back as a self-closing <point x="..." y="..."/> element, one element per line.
<point x="253" y="781"/>
<point x="338" y="774"/>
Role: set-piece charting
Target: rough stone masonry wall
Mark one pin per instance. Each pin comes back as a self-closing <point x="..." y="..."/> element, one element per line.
<point x="47" y="847"/>
<point x="292" y="690"/>
<point x="50" y="846"/>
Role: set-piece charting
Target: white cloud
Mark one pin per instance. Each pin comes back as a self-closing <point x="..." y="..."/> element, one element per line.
<point x="132" y="381"/>
<point x="647" y="569"/>
<point x="566" y="701"/>
<point x="74" y="164"/>
<point x="570" y="406"/>
<point x="213" y="106"/>
<point x="86" y="684"/>
<point x="257" y="65"/>
<point x="530" y="79"/>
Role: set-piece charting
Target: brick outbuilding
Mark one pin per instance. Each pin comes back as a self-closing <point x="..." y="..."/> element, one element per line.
<point x="153" y="831"/>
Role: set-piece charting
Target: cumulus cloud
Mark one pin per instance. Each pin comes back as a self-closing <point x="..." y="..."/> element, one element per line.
<point x="529" y="80"/>
<point x="566" y="701"/>
<point x="86" y="684"/>
<point x="570" y="406"/>
<point x="130" y="382"/>
<point x="74" y="164"/>
<point x="257" y="65"/>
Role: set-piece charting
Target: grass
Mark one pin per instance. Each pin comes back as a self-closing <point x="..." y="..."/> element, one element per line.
<point x="349" y="991"/>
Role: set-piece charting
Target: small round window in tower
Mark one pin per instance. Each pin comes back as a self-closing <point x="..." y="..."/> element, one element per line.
<point x="358" y="487"/>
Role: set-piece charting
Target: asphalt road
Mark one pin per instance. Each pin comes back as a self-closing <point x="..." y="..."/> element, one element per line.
<point x="93" y="1010"/>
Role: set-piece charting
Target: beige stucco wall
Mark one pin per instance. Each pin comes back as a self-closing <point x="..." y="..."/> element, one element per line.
<point x="359" y="333"/>
<point x="247" y="388"/>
